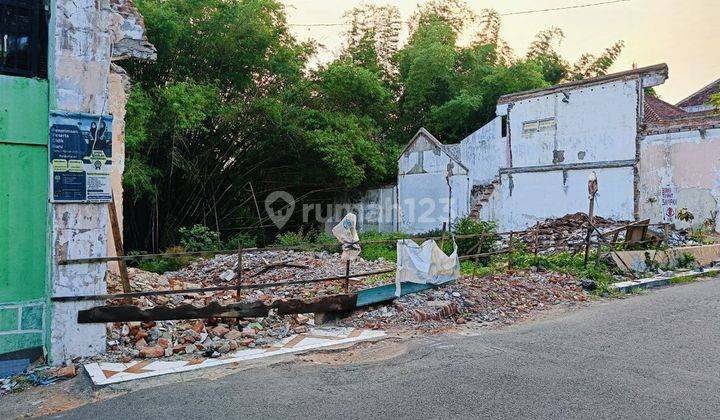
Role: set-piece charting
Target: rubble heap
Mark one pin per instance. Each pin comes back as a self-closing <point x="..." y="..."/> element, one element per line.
<point x="566" y="233"/>
<point x="189" y="338"/>
<point x="258" y="268"/>
<point x="499" y="298"/>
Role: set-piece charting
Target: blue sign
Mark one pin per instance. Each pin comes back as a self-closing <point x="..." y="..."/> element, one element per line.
<point x="80" y="157"/>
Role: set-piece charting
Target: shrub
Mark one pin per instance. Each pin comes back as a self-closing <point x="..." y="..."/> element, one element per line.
<point x="199" y="238"/>
<point x="248" y="241"/>
<point x="300" y="238"/>
<point x="388" y="251"/>
<point x="164" y="264"/>
<point x="686" y="260"/>
<point x="468" y="226"/>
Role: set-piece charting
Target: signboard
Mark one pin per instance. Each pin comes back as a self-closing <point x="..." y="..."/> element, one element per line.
<point x="668" y="203"/>
<point x="80" y="157"/>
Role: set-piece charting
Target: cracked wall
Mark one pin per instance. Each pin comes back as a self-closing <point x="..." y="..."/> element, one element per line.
<point x="88" y="35"/>
<point x="689" y="161"/>
<point x="556" y="141"/>
<point x="427" y="196"/>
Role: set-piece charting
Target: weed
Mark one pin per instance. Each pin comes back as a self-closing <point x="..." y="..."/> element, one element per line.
<point x="247" y="241"/>
<point x="199" y="238"/>
<point x="686" y="260"/>
<point x="164" y="264"/>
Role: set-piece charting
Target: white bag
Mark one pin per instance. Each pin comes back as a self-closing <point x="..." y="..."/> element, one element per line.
<point x="346" y="233"/>
<point x="425" y="264"/>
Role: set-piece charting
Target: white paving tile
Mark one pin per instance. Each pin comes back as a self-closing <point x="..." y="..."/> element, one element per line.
<point x="311" y="340"/>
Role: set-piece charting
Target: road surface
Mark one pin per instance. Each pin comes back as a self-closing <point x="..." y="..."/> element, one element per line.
<point x="655" y="355"/>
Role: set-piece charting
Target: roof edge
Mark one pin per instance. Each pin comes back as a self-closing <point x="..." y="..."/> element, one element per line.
<point x="512" y="97"/>
<point x="433" y="139"/>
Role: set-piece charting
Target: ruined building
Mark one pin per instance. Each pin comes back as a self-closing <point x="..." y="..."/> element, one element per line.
<point x="62" y="100"/>
<point x="532" y="162"/>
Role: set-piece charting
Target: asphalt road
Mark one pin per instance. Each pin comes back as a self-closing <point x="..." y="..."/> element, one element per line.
<point x="656" y="355"/>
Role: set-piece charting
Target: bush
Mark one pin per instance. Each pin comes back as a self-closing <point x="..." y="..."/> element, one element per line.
<point x="468" y="226"/>
<point x="686" y="260"/>
<point x="299" y="238"/>
<point x="248" y="241"/>
<point x="164" y="264"/>
<point x="388" y="251"/>
<point x="199" y="238"/>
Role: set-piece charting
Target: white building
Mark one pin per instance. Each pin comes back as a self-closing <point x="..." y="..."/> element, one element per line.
<point x="533" y="160"/>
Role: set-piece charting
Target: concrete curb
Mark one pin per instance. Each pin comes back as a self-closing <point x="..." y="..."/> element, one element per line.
<point x="660" y="280"/>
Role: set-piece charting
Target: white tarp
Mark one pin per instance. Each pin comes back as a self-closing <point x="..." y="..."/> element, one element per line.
<point x="425" y="264"/>
<point x="346" y="233"/>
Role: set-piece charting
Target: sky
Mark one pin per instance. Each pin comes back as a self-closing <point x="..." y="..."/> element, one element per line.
<point x="685" y="34"/>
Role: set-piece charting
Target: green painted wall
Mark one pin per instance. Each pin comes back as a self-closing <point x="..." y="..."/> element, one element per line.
<point x="23" y="212"/>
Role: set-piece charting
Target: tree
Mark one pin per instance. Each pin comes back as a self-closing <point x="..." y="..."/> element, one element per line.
<point x="231" y="110"/>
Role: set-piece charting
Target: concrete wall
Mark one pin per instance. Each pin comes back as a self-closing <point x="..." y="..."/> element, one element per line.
<point x="88" y="34"/>
<point x="375" y="210"/>
<point x="555" y="145"/>
<point x="598" y="123"/>
<point x="532" y="196"/>
<point x="690" y="162"/>
<point x="484" y="152"/>
<point x="425" y="198"/>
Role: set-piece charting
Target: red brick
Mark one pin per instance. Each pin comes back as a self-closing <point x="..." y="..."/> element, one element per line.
<point x="152" y="352"/>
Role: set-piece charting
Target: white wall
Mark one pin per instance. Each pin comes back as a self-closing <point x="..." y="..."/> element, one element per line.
<point x="375" y="210"/>
<point x="599" y="123"/>
<point x="425" y="201"/>
<point x="533" y="196"/>
<point x="424" y="195"/>
<point x="689" y="161"/>
<point x="84" y="31"/>
<point x="484" y="152"/>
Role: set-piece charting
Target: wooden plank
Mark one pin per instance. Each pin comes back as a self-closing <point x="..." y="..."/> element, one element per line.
<point x="117" y="239"/>
<point x="334" y="303"/>
<point x="126" y="313"/>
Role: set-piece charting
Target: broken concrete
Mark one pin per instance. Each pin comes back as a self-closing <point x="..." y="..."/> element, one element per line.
<point x="638" y="260"/>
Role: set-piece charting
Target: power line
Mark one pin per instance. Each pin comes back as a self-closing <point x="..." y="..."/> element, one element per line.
<point x="577" y="6"/>
<point x="523" y="12"/>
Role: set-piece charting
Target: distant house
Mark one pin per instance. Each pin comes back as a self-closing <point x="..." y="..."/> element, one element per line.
<point x="700" y="100"/>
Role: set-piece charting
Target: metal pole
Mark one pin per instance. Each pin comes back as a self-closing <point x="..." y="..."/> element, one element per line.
<point x="347" y="275"/>
<point x="537" y="245"/>
<point x="589" y="229"/>
<point x="477" y="258"/>
<point x="442" y="236"/>
<point x="510" y="246"/>
<point x="592" y="190"/>
<point x="239" y="270"/>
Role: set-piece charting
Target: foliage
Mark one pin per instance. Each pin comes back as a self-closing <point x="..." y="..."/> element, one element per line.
<point x="164" y="264"/>
<point x="299" y="238"/>
<point x="388" y="251"/>
<point x="468" y="226"/>
<point x="199" y="238"/>
<point x="248" y="241"/>
<point x="233" y="109"/>
<point x="715" y="100"/>
<point x="685" y="260"/>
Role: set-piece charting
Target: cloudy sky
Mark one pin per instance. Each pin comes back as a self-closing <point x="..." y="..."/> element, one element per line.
<point x="685" y="34"/>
